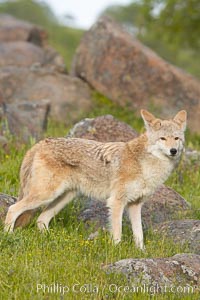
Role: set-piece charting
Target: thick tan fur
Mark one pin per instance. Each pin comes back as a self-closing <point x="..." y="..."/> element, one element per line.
<point x="55" y="170"/>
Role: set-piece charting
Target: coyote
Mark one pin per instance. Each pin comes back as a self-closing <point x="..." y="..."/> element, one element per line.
<point x="55" y="170"/>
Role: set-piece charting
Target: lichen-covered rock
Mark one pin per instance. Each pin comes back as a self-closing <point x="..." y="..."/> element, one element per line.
<point x="23" y="44"/>
<point x="180" y="269"/>
<point x="69" y="97"/>
<point x="20" y="54"/>
<point x="103" y="129"/>
<point x="24" y="54"/>
<point x="27" y="119"/>
<point x="12" y="29"/>
<point x="117" y="65"/>
<point x="164" y="205"/>
<point x="182" y="231"/>
<point x="30" y="72"/>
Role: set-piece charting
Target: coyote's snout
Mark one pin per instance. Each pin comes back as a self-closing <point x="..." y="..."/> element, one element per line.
<point x="55" y="170"/>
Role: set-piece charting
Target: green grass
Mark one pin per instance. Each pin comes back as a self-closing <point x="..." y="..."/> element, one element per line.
<point x="64" y="256"/>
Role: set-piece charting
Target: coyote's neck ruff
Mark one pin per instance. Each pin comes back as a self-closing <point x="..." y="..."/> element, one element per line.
<point x="55" y="170"/>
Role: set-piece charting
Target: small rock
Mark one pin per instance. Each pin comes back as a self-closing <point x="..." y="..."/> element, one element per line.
<point x="3" y="140"/>
<point x="164" y="205"/>
<point x="103" y="129"/>
<point x="192" y="155"/>
<point x="93" y="235"/>
<point x="182" y="231"/>
<point x="178" y="270"/>
<point x="5" y="202"/>
<point x="95" y="212"/>
<point x="27" y="119"/>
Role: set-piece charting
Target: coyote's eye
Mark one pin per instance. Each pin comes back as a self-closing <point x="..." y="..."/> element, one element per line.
<point x="163" y="138"/>
<point x="176" y="138"/>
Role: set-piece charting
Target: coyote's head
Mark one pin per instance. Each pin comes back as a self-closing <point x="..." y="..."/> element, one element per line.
<point x="165" y="137"/>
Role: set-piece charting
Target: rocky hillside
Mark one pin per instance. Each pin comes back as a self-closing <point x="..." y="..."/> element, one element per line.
<point x="33" y="77"/>
<point x="34" y="82"/>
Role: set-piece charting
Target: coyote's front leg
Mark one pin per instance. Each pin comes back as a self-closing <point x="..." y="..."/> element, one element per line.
<point x="134" y="210"/>
<point x="116" y="208"/>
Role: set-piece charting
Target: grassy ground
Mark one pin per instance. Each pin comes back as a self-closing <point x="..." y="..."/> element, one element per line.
<point x="45" y="266"/>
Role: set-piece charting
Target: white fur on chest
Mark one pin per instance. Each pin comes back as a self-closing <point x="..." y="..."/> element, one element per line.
<point x="154" y="172"/>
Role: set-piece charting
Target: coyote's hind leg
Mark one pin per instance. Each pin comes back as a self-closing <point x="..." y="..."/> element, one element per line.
<point x="53" y="209"/>
<point x="19" y="208"/>
<point x="30" y="202"/>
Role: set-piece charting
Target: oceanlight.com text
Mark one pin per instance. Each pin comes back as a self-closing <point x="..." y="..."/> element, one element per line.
<point x="91" y="288"/>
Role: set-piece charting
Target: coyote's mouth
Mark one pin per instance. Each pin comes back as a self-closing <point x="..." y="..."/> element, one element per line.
<point x="173" y="155"/>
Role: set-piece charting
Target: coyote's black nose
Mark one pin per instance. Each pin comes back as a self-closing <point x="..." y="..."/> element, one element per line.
<point x="173" y="151"/>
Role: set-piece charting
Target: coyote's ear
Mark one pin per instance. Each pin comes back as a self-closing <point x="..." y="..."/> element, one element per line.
<point x="181" y="119"/>
<point x="150" y="120"/>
